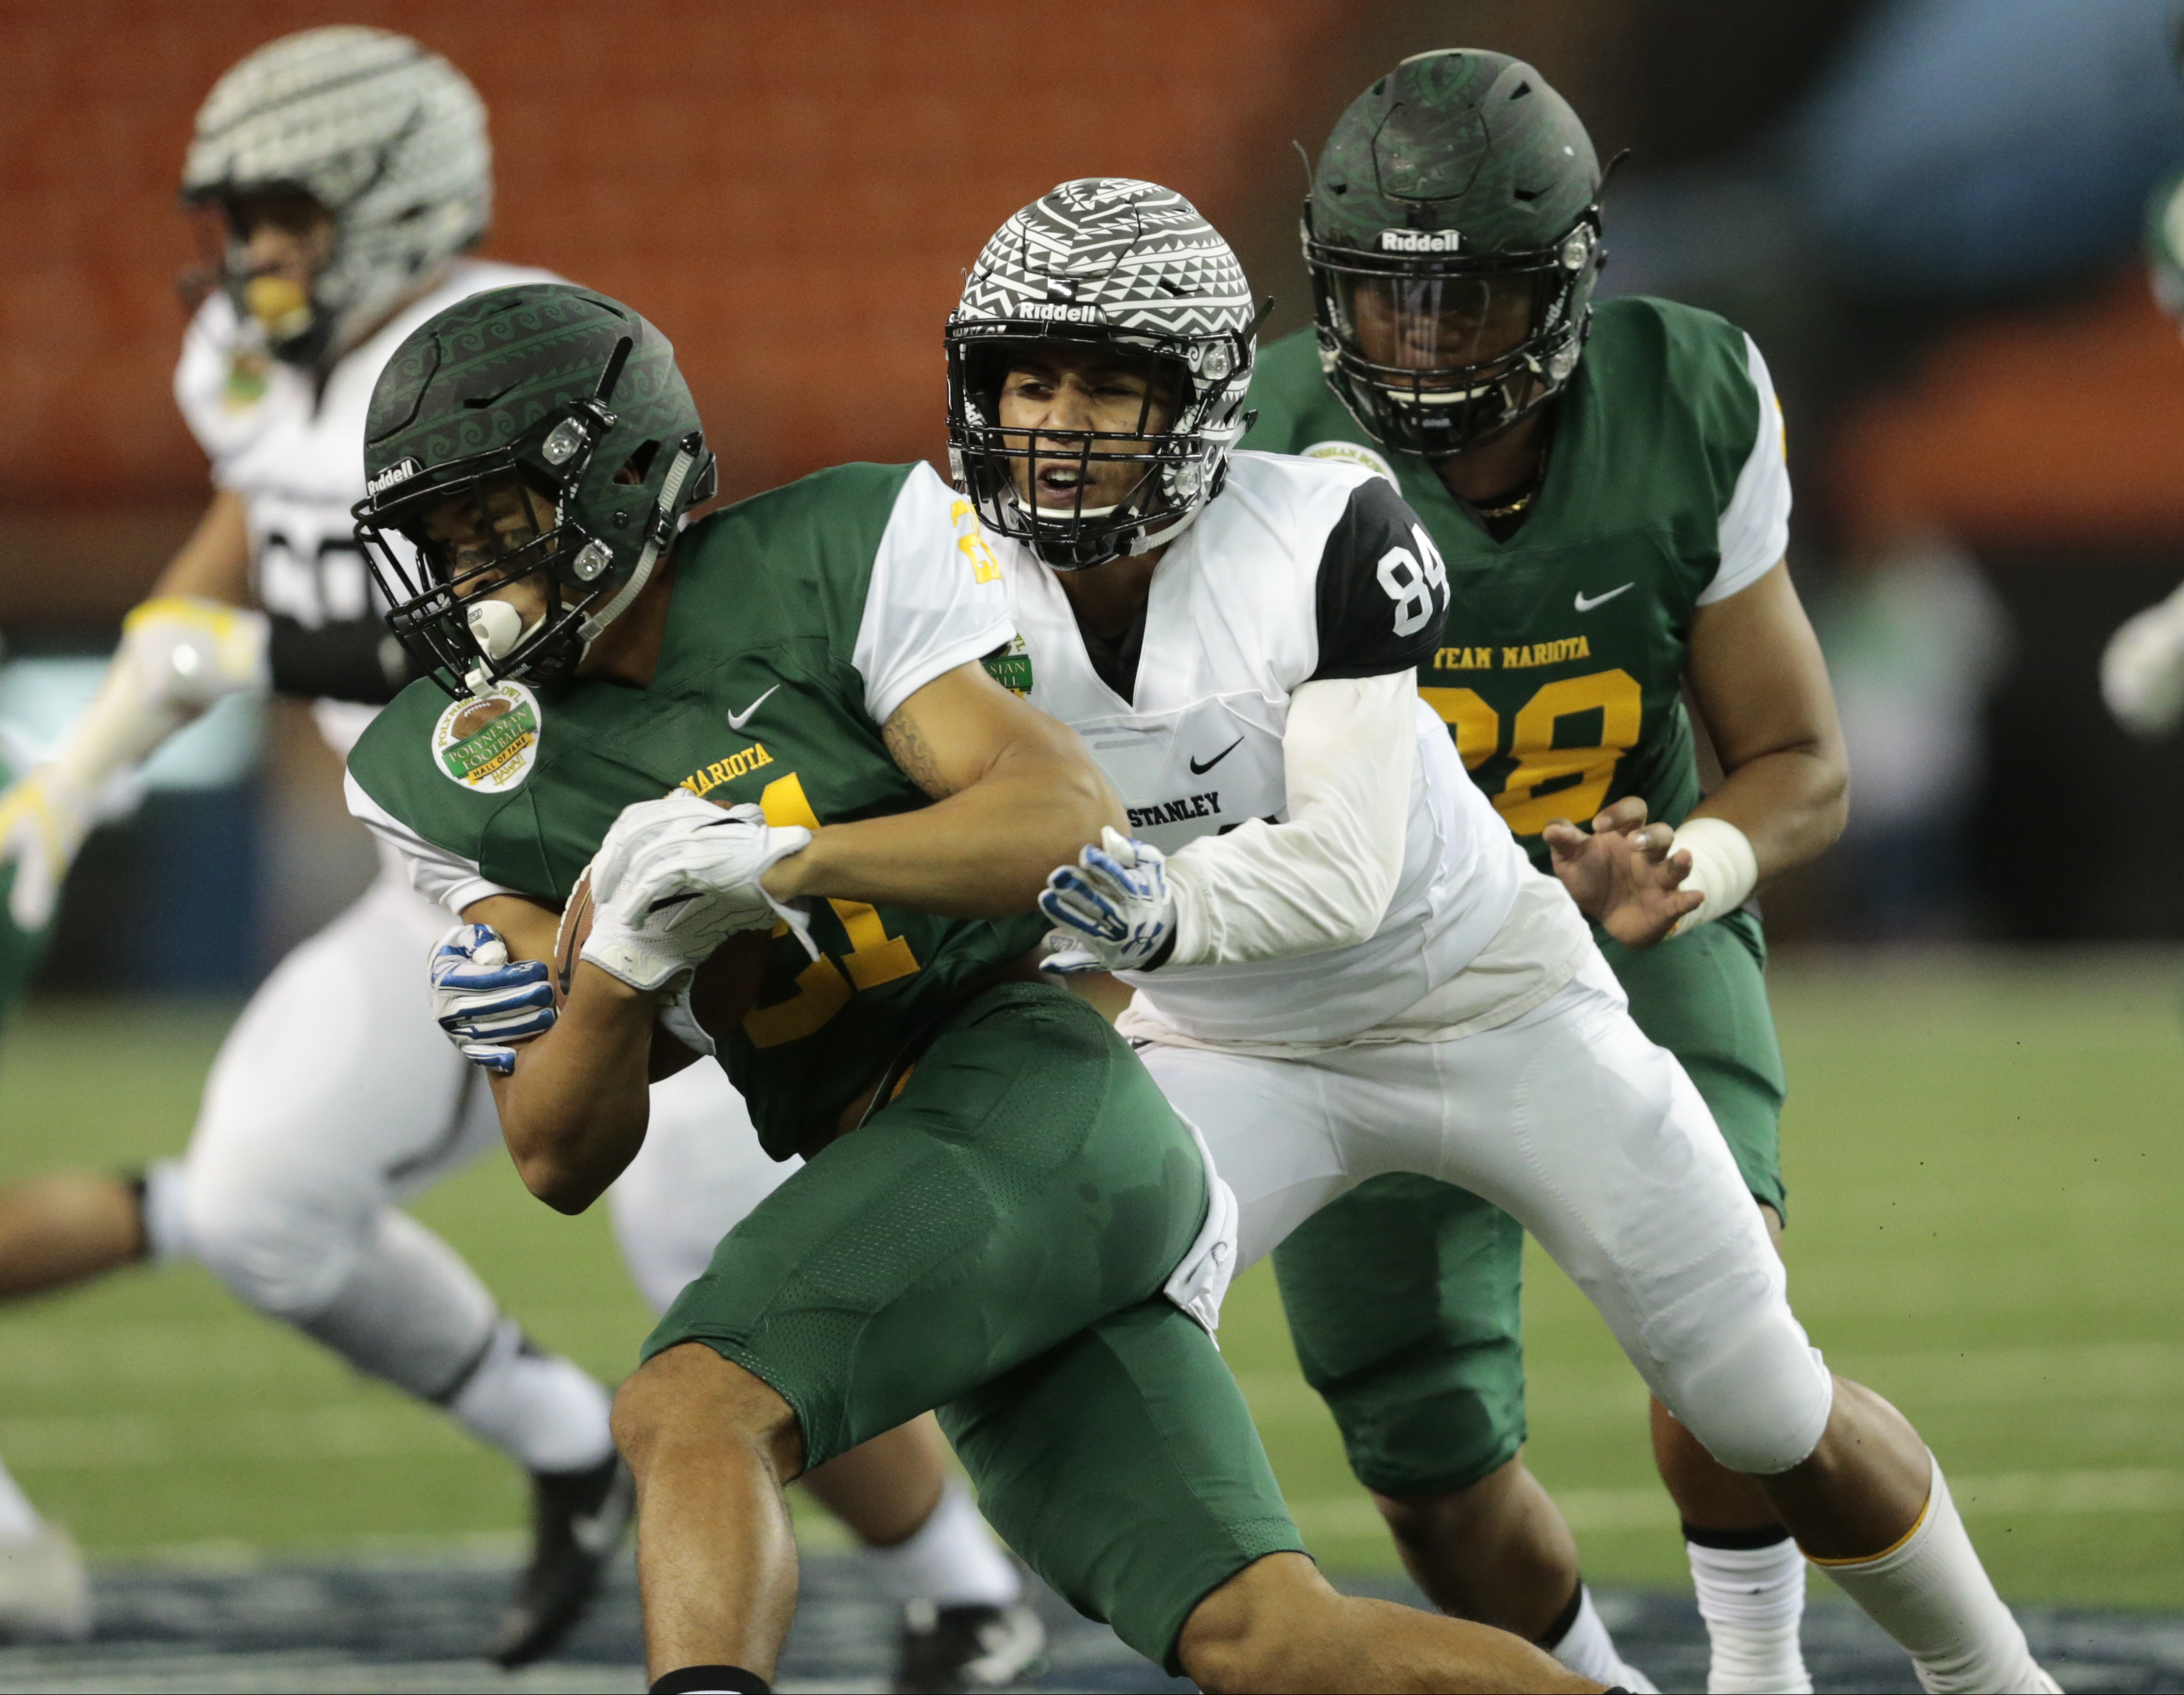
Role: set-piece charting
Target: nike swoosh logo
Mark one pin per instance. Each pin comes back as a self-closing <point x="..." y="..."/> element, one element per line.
<point x="1585" y="604"/>
<point x="738" y="720"/>
<point x="1198" y="770"/>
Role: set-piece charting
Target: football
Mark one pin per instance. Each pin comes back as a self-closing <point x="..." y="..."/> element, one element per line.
<point x="727" y="985"/>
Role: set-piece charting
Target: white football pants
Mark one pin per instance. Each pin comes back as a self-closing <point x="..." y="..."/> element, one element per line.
<point x="336" y="1098"/>
<point x="1593" y="1139"/>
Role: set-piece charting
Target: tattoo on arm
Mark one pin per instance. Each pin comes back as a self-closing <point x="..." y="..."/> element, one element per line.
<point x="915" y="756"/>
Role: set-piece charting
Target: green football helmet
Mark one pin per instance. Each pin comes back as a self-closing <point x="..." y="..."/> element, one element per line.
<point x="539" y="431"/>
<point x="1453" y="236"/>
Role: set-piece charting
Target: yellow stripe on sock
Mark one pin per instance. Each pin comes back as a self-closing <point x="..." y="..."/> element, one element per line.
<point x="1870" y="1559"/>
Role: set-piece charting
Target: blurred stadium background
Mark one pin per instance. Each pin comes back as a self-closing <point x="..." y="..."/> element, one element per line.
<point x="1929" y="212"/>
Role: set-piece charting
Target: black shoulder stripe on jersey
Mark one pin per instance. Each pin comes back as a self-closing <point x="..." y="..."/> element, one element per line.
<point x="1383" y="591"/>
<point x="356" y="659"/>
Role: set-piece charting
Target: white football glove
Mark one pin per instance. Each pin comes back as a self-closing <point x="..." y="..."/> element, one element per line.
<point x="484" y="1000"/>
<point x="178" y="656"/>
<point x="190" y="653"/>
<point x="2142" y="670"/>
<point x="43" y="820"/>
<point x="675" y="877"/>
<point x="1114" y="908"/>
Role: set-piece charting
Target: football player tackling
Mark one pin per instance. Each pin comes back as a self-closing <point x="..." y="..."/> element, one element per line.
<point x="998" y="1214"/>
<point x="1348" y="967"/>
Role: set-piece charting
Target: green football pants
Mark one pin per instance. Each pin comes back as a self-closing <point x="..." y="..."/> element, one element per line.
<point x="992" y="1243"/>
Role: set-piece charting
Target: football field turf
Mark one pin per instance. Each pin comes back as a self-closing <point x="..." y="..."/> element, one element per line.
<point x="1983" y="1168"/>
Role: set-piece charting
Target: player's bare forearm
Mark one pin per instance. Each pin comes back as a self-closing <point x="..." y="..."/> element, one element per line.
<point x="214" y="563"/>
<point x="1790" y="804"/>
<point x="1761" y="686"/>
<point x="574" y="1110"/>
<point x="983" y="853"/>
<point x="1015" y="794"/>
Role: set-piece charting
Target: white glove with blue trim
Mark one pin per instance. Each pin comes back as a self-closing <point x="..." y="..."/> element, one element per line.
<point x="674" y="879"/>
<point x="484" y="1000"/>
<point x="1114" y="908"/>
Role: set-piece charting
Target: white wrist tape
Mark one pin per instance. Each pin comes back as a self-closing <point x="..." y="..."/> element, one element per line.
<point x="1723" y="868"/>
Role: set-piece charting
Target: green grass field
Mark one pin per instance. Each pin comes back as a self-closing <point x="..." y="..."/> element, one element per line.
<point x="1983" y="1161"/>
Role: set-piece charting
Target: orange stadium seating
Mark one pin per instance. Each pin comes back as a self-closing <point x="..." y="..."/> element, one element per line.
<point x="792" y="192"/>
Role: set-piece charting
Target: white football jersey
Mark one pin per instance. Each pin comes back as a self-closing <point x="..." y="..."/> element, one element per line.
<point x="296" y="456"/>
<point x="1299" y="569"/>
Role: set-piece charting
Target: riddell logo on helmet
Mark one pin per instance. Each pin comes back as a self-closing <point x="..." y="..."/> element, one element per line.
<point x="1058" y="309"/>
<point x="1420" y="240"/>
<point x="400" y="471"/>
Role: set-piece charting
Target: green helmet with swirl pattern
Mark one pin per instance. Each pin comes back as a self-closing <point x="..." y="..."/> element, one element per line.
<point x="538" y="431"/>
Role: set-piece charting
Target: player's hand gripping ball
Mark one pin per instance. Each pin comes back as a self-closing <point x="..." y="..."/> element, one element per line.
<point x="673" y="879"/>
<point x="1113" y="907"/>
<point x="486" y="1001"/>
<point x="706" y="947"/>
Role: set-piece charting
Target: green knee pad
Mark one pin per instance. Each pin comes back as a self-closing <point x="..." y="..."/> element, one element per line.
<point x="1703" y="997"/>
<point x="1404" y="1302"/>
<point x="1124" y="1467"/>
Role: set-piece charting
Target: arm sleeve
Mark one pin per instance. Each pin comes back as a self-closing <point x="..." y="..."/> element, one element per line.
<point x="1382" y="591"/>
<point x="356" y="659"/>
<point x="1324" y="879"/>
<point x="936" y="598"/>
<point x="445" y="879"/>
<point x="1755" y="525"/>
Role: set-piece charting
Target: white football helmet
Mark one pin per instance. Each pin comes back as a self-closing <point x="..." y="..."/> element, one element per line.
<point x="386" y="136"/>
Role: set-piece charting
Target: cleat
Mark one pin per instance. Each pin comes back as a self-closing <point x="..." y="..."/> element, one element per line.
<point x="45" y="1593"/>
<point x="577" y="1520"/>
<point x="942" y="1650"/>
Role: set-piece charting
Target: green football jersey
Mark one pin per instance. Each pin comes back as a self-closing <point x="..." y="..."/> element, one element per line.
<point x="801" y="620"/>
<point x="1560" y="669"/>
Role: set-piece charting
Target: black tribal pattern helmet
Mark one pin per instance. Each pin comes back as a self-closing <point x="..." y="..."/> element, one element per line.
<point x="1127" y="268"/>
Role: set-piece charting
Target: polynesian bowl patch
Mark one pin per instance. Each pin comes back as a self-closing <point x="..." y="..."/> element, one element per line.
<point x="1351" y="452"/>
<point x="489" y="743"/>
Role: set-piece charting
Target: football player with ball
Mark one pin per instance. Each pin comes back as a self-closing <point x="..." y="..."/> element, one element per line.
<point x="997" y="1214"/>
<point x="346" y="174"/>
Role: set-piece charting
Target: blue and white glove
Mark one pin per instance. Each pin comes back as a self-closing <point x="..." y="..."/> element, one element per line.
<point x="1113" y="907"/>
<point x="485" y="1002"/>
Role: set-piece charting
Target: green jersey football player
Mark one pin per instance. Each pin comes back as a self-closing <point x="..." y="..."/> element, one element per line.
<point x="1606" y="485"/>
<point x="999" y="1215"/>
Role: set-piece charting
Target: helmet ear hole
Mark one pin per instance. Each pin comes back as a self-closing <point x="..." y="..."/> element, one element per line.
<point x="639" y="465"/>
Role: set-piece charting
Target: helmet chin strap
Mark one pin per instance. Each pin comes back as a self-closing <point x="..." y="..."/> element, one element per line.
<point x="596" y="623"/>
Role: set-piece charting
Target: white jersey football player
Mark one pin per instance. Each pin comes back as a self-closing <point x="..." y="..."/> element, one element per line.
<point x="349" y="173"/>
<point x="1343" y="965"/>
